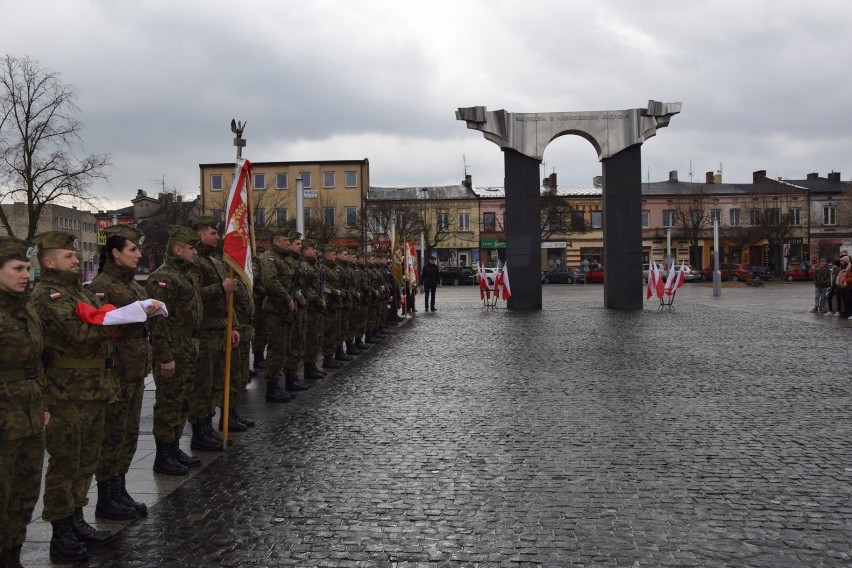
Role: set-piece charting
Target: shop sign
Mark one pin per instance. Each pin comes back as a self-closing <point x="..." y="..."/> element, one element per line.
<point x="554" y="245"/>
<point x="492" y="243"/>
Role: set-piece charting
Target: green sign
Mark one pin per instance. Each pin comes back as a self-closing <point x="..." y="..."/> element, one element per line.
<point x="492" y="243"/>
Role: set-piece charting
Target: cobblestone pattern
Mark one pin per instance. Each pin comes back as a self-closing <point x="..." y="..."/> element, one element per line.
<point x="576" y="436"/>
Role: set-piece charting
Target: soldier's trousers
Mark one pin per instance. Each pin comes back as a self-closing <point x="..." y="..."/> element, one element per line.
<point x="171" y="405"/>
<point x="258" y="342"/>
<point x="74" y="438"/>
<point x="121" y="430"/>
<point x="314" y="328"/>
<point x="20" y="482"/>
<point x="239" y="367"/>
<point x="331" y="332"/>
<point x="278" y="333"/>
<point x="209" y="379"/>
<point x="295" y="351"/>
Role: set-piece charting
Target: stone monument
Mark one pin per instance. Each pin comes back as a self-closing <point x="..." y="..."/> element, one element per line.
<point x="617" y="136"/>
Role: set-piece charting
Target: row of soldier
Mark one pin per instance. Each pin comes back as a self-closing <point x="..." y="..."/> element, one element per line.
<point x="75" y="388"/>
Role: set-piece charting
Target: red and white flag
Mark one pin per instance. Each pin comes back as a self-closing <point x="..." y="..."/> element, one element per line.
<point x="237" y="243"/>
<point x="680" y="277"/>
<point x="110" y="315"/>
<point x="502" y="280"/>
<point x="659" y="285"/>
<point x="670" y="280"/>
<point x="484" y="292"/>
<point x="652" y="284"/>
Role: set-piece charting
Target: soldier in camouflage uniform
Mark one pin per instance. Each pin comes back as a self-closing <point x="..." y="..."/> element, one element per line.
<point x="209" y="379"/>
<point x="175" y="345"/>
<point x="244" y="311"/>
<point x="258" y="343"/>
<point x="315" y="310"/>
<point x="115" y="285"/>
<point x="79" y="384"/>
<point x="22" y="411"/>
<point x="331" y="291"/>
<point x="278" y="307"/>
<point x="295" y="351"/>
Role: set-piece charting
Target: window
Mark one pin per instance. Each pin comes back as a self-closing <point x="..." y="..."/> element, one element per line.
<point x="328" y="180"/>
<point x="281" y="216"/>
<point x="306" y="179"/>
<point x="773" y="215"/>
<point x="646" y="219"/>
<point x="307" y="216"/>
<point x="754" y="217"/>
<point x="216" y="182"/>
<point x="489" y="222"/>
<point x="217" y="214"/>
<point x="351" y="217"/>
<point x="281" y="180"/>
<point x="260" y="181"/>
<point x="597" y="219"/>
<point x="669" y="216"/>
<point x="578" y="221"/>
<point x="464" y="221"/>
<point x="735" y="218"/>
<point x="716" y="216"/>
<point x="350" y="179"/>
<point x="443" y="221"/>
<point x="829" y="215"/>
<point x="260" y="217"/>
<point x="696" y="216"/>
<point x="328" y="216"/>
<point x="795" y="216"/>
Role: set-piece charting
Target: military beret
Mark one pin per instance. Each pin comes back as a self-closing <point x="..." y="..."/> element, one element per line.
<point x="279" y="232"/>
<point x="341" y="250"/>
<point x="132" y="234"/>
<point x="183" y="234"/>
<point x="295" y="235"/>
<point x="13" y="248"/>
<point x="325" y="247"/>
<point x="309" y="243"/>
<point x="203" y="220"/>
<point x="55" y="240"/>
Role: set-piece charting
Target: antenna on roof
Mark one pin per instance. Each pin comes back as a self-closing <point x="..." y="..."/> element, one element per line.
<point x="162" y="182"/>
<point x="690" y="170"/>
<point x="464" y="163"/>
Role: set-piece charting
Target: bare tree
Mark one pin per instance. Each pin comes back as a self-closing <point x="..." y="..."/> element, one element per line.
<point x="175" y="209"/>
<point x="440" y="216"/>
<point x="38" y="139"/>
<point x="557" y="216"/>
<point x="693" y="219"/>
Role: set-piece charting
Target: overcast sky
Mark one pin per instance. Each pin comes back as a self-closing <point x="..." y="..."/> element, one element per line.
<point x="764" y="84"/>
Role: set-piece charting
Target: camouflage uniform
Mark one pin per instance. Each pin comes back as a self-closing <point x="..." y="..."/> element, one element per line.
<point x="175" y="341"/>
<point x="116" y="286"/>
<point x="258" y="342"/>
<point x="315" y="310"/>
<point x="295" y="350"/>
<point x="332" y="337"/>
<point x="244" y="311"/>
<point x="276" y="277"/>
<point x="21" y="409"/>
<point x="80" y="383"/>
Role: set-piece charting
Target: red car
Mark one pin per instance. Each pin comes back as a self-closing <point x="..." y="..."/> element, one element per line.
<point x="740" y="272"/>
<point x="595" y="274"/>
<point x="798" y="274"/>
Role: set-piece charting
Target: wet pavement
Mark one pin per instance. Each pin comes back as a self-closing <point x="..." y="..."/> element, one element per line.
<point x="717" y="434"/>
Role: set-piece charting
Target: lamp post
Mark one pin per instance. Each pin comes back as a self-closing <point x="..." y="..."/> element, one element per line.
<point x="424" y="191"/>
<point x="300" y="206"/>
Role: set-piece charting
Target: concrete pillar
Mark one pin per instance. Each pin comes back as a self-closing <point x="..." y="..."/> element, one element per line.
<point x="523" y="229"/>
<point x="622" y="229"/>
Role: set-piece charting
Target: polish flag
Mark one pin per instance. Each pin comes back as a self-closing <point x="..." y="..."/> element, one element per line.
<point x="659" y="285"/>
<point x="504" y="280"/>
<point x="680" y="277"/>
<point x="652" y="277"/>
<point x="110" y="315"/>
<point x="670" y="280"/>
<point x="484" y="292"/>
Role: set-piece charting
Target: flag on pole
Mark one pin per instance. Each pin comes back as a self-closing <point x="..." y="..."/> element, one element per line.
<point x="484" y="292"/>
<point x="670" y="280"/>
<point x="680" y="277"/>
<point x="652" y="284"/>
<point x="411" y="269"/>
<point x="110" y="315"/>
<point x="502" y="281"/>
<point x="237" y="249"/>
<point x="659" y="285"/>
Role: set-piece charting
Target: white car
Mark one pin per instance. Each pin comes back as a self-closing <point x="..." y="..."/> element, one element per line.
<point x="690" y="273"/>
<point x="490" y="274"/>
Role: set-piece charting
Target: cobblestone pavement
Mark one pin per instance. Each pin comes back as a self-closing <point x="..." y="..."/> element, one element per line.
<point x="717" y="434"/>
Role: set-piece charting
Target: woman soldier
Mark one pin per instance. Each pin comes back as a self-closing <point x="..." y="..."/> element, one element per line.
<point x="22" y="411"/>
<point x="115" y="285"/>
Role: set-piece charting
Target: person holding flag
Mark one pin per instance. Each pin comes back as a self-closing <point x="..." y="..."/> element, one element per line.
<point x="209" y="380"/>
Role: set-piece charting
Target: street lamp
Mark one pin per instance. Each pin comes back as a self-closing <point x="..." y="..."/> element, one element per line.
<point x="424" y="191"/>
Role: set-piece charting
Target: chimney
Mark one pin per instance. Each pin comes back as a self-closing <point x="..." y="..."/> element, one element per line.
<point x="545" y="183"/>
<point x="717" y="177"/>
<point x="597" y="181"/>
<point x="673" y="175"/>
<point x="468" y="181"/>
<point x="813" y="175"/>
<point x="758" y="176"/>
<point x="708" y="177"/>
<point x="553" y="180"/>
<point x="834" y="176"/>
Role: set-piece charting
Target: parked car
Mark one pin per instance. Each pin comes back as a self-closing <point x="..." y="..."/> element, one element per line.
<point x="761" y="272"/>
<point x="456" y="275"/>
<point x="490" y="274"/>
<point x="740" y="271"/>
<point x="595" y="274"/>
<point x="564" y="275"/>
<point x="798" y="274"/>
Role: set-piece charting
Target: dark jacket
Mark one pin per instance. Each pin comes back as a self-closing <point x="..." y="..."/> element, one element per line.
<point x="429" y="276"/>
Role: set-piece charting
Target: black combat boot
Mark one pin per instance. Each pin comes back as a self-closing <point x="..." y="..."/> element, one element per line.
<point x="351" y="349"/>
<point x="339" y="355"/>
<point x="360" y="344"/>
<point x="234" y="425"/>
<point x="202" y="439"/>
<point x="121" y="484"/>
<point x="64" y="546"/>
<point x="293" y="382"/>
<point x="259" y="360"/>
<point x="274" y="392"/>
<point x="11" y="558"/>
<point x="109" y="505"/>
<point x="183" y="458"/>
<point x="165" y="461"/>
<point x="371" y="337"/>
<point x="312" y="373"/>
<point x="329" y="362"/>
<point x="235" y="415"/>
<point x="208" y="425"/>
<point x="86" y="533"/>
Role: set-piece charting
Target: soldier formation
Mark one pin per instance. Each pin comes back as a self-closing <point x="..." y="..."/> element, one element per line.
<point x="75" y="388"/>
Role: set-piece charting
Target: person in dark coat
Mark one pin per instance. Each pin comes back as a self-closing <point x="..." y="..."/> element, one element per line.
<point x="429" y="277"/>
